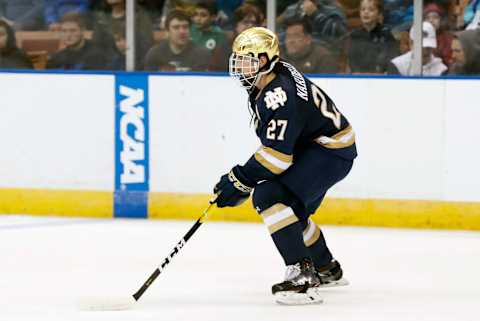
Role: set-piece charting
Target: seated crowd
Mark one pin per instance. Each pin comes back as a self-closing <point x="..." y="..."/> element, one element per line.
<point x="317" y="36"/>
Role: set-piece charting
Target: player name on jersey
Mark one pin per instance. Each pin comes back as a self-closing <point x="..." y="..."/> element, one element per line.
<point x="300" y="82"/>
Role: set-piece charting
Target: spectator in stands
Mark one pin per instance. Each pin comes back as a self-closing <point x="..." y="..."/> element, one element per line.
<point x="226" y="8"/>
<point x="246" y="16"/>
<point x="117" y="58"/>
<point x="351" y="9"/>
<point x="261" y="5"/>
<point x="114" y="13"/>
<point x="154" y="9"/>
<point x="307" y="56"/>
<point x="203" y="30"/>
<point x="372" y="46"/>
<point x="55" y="9"/>
<point x="178" y="52"/>
<point x="398" y="14"/>
<point x="472" y="15"/>
<point x="327" y="20"/>
<point x="466" y="53"/>
<point x="11" y="57"/>
<point x="22" y="14"/>
<point x="434" y="14"/>
<point x="432" y="66"/>
<point x="79" y="53"/>
<point x="283" y="4"/>
<point x="187" y="6"/>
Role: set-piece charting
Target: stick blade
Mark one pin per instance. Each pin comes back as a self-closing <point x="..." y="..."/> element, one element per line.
<point x="106" y="303"/>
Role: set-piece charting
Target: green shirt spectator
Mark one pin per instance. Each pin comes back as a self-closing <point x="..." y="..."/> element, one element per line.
<point x="209" y="39"/>
<point x="203" y="31"/>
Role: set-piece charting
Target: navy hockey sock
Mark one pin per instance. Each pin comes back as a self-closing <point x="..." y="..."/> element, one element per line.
<point x="315" y="242"/>
<point x="286" y="231"/>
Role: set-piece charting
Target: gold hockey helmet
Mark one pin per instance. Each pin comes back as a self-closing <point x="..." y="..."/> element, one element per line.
<point x="248" y="47"/>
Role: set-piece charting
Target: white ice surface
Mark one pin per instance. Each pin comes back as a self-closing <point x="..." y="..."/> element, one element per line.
<point x="225" y="272"/>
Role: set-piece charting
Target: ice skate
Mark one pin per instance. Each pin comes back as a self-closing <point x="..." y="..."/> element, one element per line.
<point x="331" y="275"/>
<point x="300" y="285"/>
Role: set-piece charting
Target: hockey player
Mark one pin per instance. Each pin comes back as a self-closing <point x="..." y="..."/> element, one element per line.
<point x="307" y="146"/>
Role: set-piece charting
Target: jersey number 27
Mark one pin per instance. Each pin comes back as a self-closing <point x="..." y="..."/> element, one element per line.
<point x="275" y="124"/>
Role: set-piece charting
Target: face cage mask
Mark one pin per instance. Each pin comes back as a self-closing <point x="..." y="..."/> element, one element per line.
<point x="245" y="69"/>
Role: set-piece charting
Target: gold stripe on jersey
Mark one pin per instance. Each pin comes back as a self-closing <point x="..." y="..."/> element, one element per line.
<point x="281" y="156"/>
<point x="311" y="233"/>
<point x="278" y="217"/>
<point x="342" y="139"/>
<point x="273" y="160"/>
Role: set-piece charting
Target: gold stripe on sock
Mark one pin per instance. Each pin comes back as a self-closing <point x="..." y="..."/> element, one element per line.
<point x="310" y="240"/>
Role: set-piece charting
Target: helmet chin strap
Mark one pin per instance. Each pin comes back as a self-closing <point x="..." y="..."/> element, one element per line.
<point x="257" y="79"/>
<point x="261" y="74"/>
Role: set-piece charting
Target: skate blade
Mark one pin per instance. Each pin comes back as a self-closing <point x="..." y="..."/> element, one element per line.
<point x="292" y="298"/>
<point x="341" y="282"/>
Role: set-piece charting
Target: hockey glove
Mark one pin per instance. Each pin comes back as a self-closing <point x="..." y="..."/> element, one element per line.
<point x="233" y="188"/>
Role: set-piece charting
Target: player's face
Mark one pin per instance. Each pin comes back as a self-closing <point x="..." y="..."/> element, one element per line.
<point x="71" y="34"/>
<point x="458" y="54"/>
<point x="296" y="41"/>
<point x="245" y="65"/>
<point x="179" y="32"/>
<point x="202" y="18"/>
<point x="244" y="68"/>
<point x="3" y="38"/>
<point x="369" y="14"/>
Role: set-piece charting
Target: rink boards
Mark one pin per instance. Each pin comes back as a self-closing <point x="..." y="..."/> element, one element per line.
<point x="106" y="145"/>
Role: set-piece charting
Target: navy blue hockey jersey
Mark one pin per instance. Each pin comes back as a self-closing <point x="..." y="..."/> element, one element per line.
<point x="291" y="114"/>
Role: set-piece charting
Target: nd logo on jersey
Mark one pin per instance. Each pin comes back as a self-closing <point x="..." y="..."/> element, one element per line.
<point x="276" y="98"/>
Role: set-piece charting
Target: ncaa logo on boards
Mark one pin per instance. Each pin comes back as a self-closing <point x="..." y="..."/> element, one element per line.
<point x="131" y="146"/>
<point x="134" y="142"/>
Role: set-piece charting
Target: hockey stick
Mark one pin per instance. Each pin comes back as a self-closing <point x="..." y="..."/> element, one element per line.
<point x="125" y="303"/>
